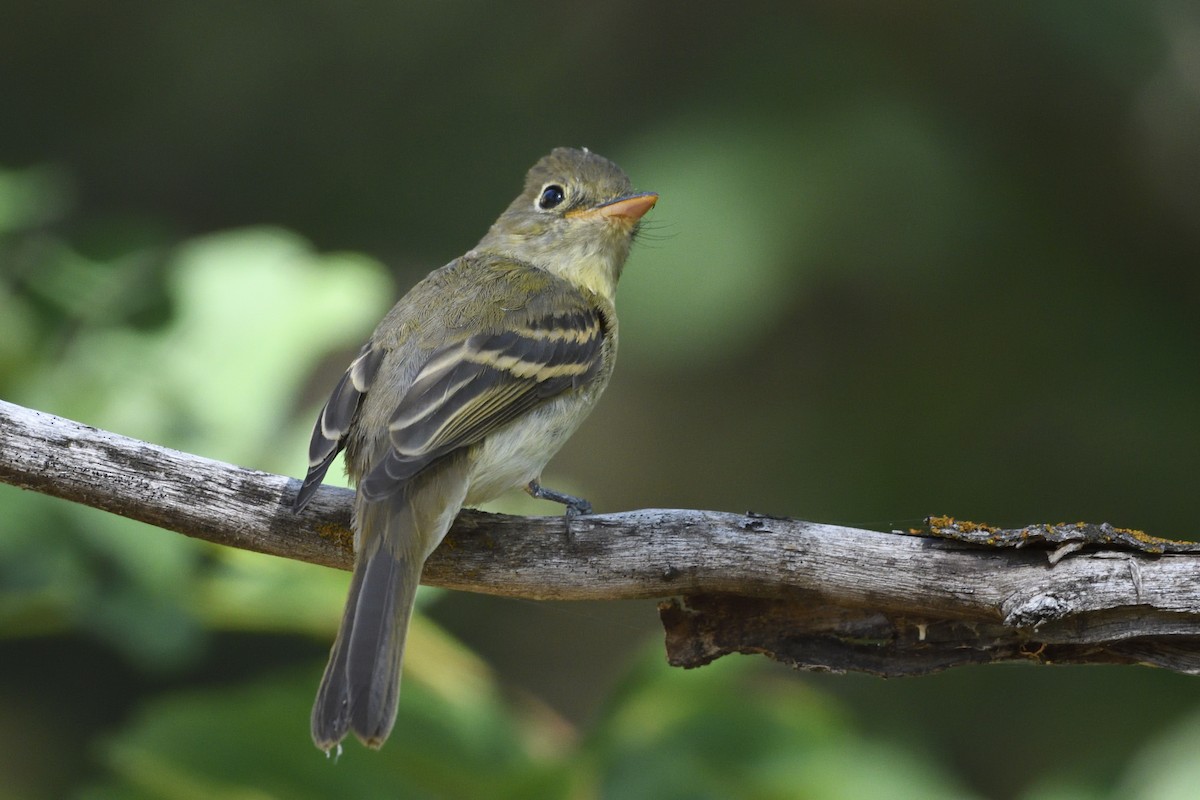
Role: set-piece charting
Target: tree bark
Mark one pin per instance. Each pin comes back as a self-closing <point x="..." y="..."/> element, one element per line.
<point x="813" y="595"/>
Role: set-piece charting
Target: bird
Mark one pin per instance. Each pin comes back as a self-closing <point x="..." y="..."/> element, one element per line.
<point x="466" y="389"/>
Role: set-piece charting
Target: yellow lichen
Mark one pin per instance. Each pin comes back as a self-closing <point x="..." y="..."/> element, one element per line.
<point x="342" y="537"/>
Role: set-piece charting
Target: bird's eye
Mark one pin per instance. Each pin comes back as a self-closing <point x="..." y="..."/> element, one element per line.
<point x="552" y="195"/>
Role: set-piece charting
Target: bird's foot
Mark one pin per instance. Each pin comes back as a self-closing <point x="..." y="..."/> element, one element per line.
<point x="576" y="506"/>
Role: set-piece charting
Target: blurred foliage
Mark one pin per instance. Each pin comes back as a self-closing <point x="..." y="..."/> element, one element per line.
<point x="938" y="257"/>
<point x="668" y="735"/>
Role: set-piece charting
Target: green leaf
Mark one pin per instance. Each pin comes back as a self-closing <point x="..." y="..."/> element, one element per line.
<point x="252" y="742"/>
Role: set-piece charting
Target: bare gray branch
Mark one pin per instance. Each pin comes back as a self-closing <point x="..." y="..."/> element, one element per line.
<point x="817" y="596"/>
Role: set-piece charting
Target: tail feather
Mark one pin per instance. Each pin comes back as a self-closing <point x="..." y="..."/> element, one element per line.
<point x="331" y="711"/>
<point x="376" y="650"/>
<point x="361" y="685"/>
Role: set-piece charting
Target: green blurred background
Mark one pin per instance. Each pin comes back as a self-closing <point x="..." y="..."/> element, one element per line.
<point x="909" y="259"/>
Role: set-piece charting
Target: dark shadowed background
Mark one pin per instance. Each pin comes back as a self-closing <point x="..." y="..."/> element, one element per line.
<point x="908" y="259"/>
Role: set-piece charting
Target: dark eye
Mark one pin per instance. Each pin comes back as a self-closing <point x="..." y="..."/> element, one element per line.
<point x="552" y="195"/>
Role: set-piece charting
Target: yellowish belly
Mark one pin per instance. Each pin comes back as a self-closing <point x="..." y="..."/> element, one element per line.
<point x="516" y="454"/>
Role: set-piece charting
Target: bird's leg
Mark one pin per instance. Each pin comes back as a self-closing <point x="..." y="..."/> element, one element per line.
<point x="575" y="505"/>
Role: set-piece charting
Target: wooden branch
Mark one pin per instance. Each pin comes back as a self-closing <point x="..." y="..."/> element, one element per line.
<point x="816" y="596"/>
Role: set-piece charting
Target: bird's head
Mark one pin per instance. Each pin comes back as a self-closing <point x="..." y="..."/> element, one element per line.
<point x="576" y="218"/>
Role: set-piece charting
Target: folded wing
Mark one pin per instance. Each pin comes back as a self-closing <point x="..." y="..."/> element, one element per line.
<point x="470" y="388"/>
<point x="333" y="423"/>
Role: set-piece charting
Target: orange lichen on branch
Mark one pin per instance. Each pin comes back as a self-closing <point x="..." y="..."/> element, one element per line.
<point x="339" y="534"/>
<point x="1076" y="534"/>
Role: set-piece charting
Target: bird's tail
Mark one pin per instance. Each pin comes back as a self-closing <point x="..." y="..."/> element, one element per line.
<point x="359" y="691"/>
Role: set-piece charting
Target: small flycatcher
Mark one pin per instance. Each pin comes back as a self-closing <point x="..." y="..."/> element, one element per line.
<point x="465" y="390"/>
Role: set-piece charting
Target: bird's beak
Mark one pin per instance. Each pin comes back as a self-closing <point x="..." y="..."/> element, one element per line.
<point x="629" y="208"/>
